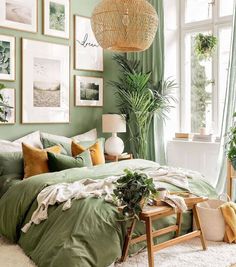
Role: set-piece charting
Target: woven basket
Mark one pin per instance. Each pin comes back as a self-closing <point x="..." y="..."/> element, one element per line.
<point x="124" y="25"/>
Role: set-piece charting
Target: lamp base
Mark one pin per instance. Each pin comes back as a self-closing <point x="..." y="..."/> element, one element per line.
<point x="114" y="146"/>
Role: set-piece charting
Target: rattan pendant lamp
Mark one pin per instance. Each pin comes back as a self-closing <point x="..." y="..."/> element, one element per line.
<point x="124" y="25"/>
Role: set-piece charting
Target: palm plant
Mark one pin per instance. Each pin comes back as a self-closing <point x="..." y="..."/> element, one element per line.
<point x="138" y="99"/>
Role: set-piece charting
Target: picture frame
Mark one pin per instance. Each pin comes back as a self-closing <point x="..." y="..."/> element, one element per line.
<point x="7" y="58"/>
<point x="56" y="18"/>
<point x="88" y="54"/>
<point x="88" y="91"/>
<point x="8" y="114"/>
<point x="19" y="15"/>
<point x="45" y="82"/>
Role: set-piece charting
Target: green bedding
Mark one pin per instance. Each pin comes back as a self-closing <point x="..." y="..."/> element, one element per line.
<point x="90" y="233"/>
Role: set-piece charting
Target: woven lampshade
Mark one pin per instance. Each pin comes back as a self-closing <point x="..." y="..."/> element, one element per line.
<point x="124" y="25"/>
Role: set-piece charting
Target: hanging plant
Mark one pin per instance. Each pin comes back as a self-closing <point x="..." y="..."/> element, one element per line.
<point x="205" y="45"/>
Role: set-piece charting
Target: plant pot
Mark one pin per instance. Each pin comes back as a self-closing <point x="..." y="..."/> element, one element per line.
<point x="233" y="162"/>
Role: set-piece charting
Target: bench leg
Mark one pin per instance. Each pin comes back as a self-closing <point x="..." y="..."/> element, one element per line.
<point x="148" y="222"/>
<point x="127" y="241"/>
<point x="178" y="223"/>
<point x="199" y="227"/>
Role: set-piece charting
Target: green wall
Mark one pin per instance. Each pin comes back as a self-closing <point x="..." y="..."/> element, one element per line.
<point x="82" y="118"/>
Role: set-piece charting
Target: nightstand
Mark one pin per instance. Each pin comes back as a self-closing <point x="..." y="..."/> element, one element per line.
<point x="124" y="156"/>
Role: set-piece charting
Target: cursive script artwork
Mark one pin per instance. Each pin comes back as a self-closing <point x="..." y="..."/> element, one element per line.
<point x="85" y="42"/>
<point x="88" y="53"/>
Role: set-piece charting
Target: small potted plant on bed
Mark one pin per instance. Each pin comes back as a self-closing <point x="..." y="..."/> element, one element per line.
<point x="205" y="45"/>
<point x="132" y="191"/>
<point x="231" y="144"/>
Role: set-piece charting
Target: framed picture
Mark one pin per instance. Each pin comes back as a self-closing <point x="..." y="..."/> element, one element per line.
<point x="45" y="82"/>
<point x="7" y="111"/>
<point x="57" y="18"/>
<point x="88" y="54"/>
<point x="88" y="91"/>
<point x="7" y="58"/>
<point x="19" y="14"/>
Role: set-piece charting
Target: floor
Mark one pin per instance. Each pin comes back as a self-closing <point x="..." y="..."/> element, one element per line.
<point x="184" y="255"/>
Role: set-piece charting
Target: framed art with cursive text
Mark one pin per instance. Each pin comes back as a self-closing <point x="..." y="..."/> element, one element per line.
<point x="88" y="54"/>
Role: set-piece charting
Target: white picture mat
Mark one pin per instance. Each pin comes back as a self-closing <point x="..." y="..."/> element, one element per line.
<point x="89" y="57"/>
<point x="10" y="92"/>
<point x="34" y="49"/>
<point x="11" y="76"/>
<point x="52" y="32"/>
<point x="33" y="4"/>
<point x="78" y="101"/>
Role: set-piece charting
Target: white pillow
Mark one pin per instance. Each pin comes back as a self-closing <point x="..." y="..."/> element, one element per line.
<point x="7" y="146"/>
<point x="88" y="136"/>
<point x="32" y="139"/>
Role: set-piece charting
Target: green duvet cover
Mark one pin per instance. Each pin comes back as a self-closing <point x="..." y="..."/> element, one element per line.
<point x="90" y="233"/>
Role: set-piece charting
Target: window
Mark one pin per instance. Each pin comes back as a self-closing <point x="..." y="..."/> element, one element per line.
<point x="204" y="81"/>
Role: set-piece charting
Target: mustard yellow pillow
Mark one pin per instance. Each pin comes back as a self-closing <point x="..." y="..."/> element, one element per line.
<point x="95" y="152"/>
<point x="36" y="160"/>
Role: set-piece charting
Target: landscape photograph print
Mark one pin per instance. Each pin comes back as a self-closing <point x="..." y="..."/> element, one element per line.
<point x="88" y="53"/>
<point x="56" y="18"/>
<point x="7" y="106"/>
<point x="89" y="91"/>
<point x="7" y="58"/>
<point x="47" y="88"/>
<point x="45" y="82"/>
<point x="19" y="14"/>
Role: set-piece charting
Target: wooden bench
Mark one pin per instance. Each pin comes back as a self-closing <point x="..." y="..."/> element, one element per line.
<point x="231" y="174"/>
<point x="152" y="213"/>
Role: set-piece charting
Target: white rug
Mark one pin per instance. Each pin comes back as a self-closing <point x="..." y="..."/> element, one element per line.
<point x="183" y="255"/>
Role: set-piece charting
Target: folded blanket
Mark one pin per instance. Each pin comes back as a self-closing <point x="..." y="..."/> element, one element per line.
<point x="65" y="192"/>
<point x="176" y="202"/>
<point x="229" y="213"/>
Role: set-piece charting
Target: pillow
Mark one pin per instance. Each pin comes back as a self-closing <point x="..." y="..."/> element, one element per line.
<point x="7" y="146"/>
<point x="57" y="162"/>
<point x="32" y="139"/>
<point x="87" y="144"/>
<point x="88" y="136"/>
<point x="12" y="162"/>
<point x="96" y="152"/>
<point x="36" y="160"/>
<point x="65" y="146"/>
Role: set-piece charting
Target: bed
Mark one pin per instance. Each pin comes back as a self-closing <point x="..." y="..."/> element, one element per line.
<point x="91" y="232"/>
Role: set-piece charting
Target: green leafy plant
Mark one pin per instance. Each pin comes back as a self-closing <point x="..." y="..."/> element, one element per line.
<point x="205" y="45"/>
<point x="139" y="100"/>
<point x="231" y="143"/>
<point x="132" y="191"/>
<point x="3" y="105"/>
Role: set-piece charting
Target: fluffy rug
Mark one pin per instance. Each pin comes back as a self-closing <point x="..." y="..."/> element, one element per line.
<point x="184" y="255"/>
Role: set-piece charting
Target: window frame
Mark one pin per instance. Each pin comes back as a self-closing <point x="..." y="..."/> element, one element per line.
<point x="214" y="24"/>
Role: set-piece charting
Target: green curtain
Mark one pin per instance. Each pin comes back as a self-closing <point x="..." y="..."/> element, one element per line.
<point x="153" y="60"/>
<point x="229" y="109"/>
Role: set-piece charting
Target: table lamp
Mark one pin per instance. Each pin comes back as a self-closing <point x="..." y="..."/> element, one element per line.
<point x="114" y="123"/>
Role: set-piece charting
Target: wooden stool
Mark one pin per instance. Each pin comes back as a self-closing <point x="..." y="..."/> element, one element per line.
<point x="151" y="213"/>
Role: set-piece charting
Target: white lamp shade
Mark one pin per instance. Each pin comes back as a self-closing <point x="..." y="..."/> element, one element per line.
<point x="113" y="123"/>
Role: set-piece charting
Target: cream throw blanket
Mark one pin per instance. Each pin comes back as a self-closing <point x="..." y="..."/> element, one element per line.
<point x="66" y="192"/>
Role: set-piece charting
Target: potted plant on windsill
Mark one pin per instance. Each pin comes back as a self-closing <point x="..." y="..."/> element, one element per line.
<point x="231" y="144"/>
<point x="205" y="45"/>
<point x="132" y="191"/>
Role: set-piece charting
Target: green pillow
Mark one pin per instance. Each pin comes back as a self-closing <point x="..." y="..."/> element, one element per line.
<point x="48" y="142"/>
<point x="58" y="162"/>
<point x="12" y="162"/>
